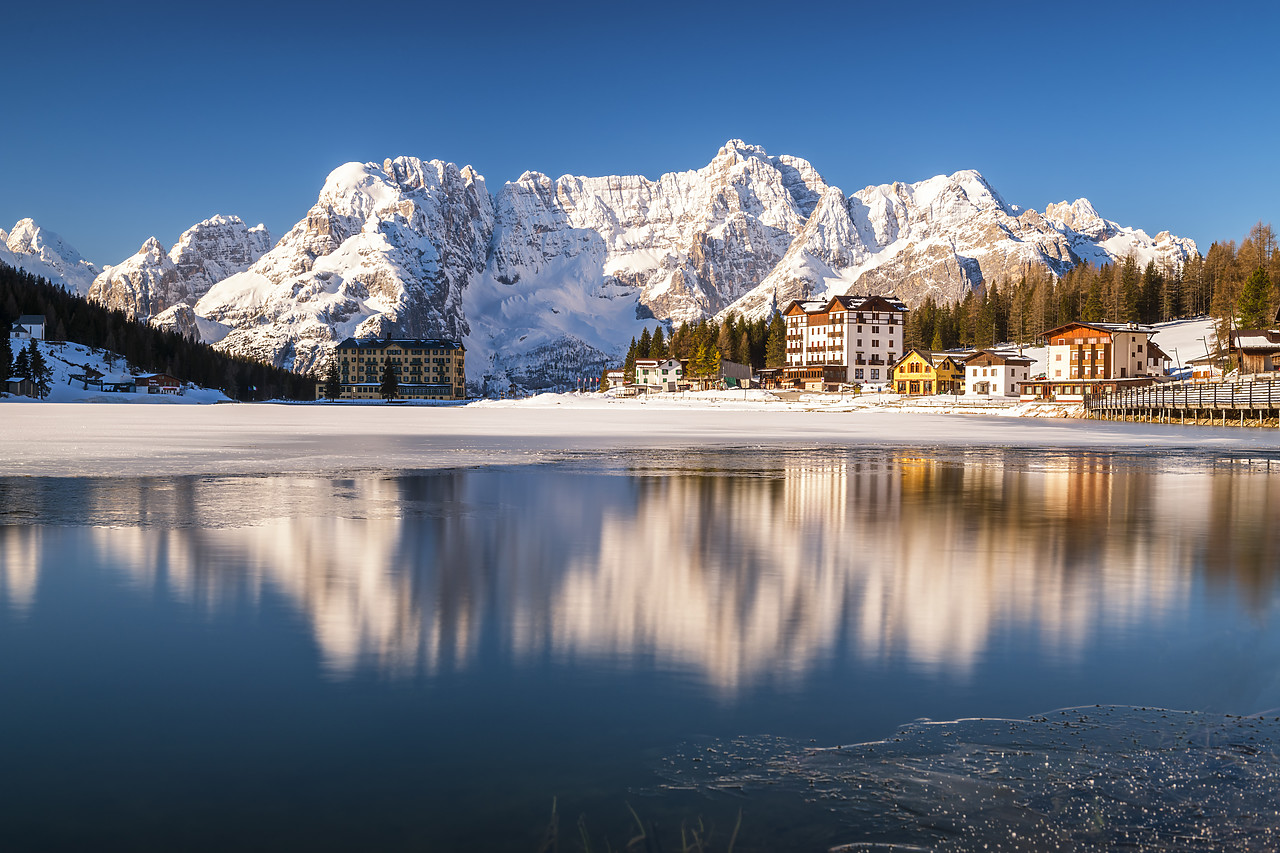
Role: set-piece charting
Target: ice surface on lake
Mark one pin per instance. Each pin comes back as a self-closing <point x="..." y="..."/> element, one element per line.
<point x="1104" y="777"/>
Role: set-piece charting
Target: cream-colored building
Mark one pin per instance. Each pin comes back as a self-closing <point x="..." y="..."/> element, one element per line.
<point x="990" y="373"/>
<point x="425" y="369"/>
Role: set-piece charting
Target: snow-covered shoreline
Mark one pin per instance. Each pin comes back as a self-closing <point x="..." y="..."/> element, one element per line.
<point x="85" y="439"/>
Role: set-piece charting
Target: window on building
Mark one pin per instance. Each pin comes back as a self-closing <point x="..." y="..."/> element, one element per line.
<point x="875" y="373"/>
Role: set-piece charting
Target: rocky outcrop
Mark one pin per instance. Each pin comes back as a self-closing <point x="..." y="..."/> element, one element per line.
<point x="139" y="284"/>
<point x="212" y="250"/>
<point x="151" y="281"/>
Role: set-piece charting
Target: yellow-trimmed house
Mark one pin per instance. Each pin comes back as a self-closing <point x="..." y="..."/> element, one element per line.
<point x="921" y="372"/>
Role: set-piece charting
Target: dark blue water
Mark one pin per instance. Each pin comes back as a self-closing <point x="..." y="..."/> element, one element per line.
<point x="430" y="660"/>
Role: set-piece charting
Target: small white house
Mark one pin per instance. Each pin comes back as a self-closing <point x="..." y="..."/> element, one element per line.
<point x="995" y="374"/>
<point x="654" y="374"/>
<point x="28" y="327"/>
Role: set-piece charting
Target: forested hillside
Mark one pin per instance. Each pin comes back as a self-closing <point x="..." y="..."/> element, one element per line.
<point x="72" y="318"/>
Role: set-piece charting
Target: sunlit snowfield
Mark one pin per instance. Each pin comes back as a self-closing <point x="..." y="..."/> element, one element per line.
<point x="429" y="659"/>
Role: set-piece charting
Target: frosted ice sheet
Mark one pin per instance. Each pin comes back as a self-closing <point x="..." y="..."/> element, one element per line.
<point x="1102" y="777"/>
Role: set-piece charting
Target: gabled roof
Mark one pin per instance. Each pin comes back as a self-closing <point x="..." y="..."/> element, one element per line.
<point x="1109" y="328"/>
<point x="925" y="355"/>
<point x="31" y="320"/>
<point x="873" y="302"/>
<point x="988" y="357"/>
<point x="1256" y="340"/>
<point x="846" y="302"/>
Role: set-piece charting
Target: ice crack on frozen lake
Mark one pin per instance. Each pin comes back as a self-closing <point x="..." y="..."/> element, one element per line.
<point x="1104" y="777"/>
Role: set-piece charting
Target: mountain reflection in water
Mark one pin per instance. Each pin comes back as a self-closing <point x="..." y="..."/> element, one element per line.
<point x="738" y="575"/>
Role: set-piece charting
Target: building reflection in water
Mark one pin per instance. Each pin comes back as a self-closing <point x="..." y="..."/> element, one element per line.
<point x="739" y="576"/>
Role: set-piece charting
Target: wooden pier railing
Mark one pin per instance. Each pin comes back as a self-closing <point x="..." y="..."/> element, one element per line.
<point x="1248" y="402"/>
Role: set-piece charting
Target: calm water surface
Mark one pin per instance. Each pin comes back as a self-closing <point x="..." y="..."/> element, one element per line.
<point x="426" y="660"/>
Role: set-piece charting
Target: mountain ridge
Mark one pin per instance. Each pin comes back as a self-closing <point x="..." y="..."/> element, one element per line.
<point x="549" y="276"/>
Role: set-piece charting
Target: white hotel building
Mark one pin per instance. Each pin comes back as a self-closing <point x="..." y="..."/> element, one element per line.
<point x="854" y="339"/>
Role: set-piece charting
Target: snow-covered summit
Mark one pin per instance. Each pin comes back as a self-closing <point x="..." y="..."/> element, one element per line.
<point x="42" y="252"/>
<point x="386" y="249"/>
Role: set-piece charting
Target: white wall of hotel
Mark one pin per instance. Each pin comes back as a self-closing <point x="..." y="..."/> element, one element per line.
<point x="995" y="380"/>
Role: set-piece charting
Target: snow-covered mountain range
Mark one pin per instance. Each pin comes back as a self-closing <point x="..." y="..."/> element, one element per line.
<point x="548" y="279"/>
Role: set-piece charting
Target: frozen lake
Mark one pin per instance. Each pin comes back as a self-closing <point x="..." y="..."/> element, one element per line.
<point x="428" y="657"/>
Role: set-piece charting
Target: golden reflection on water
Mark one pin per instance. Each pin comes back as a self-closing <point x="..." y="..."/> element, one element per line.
<point x="738" y="577"/>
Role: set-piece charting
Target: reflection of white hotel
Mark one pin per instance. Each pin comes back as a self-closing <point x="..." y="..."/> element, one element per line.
<point x="19" y="565"/>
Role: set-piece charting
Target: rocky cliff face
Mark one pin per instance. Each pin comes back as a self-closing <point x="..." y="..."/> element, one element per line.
<point x="44" y="253"/>
<point x="942" y="237"/>
<point x="139" y="284"/>
<point x="387" y="249"/>
<point x="577" y="265"/>
<point x="152" y="281"/>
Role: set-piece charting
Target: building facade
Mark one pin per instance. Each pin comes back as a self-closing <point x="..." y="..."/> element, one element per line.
<point x="425" y="369"/>
<point x="990" y="373"/>
<point x="861" y="334"/>
<point x="660" y="374"/>
<point x="29" y="327"/>
<point x="922" y="372"/>
<point x="1101" y="351"/>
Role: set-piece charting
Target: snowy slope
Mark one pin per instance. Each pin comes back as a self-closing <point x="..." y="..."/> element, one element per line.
<point x="68" y="359"/>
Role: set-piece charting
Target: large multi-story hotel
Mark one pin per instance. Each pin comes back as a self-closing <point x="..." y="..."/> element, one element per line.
<point x="425" y="370"/>
<point x="853" y="339"/>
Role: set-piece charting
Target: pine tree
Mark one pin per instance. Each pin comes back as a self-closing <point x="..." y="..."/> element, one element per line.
<point x="604" y="378"/>
<point x="644" y="347"/>
<point x="629" y="365"/>
<point x="1093" y="310"/>
<point x="332" y="381"/>
<point x="39" y="371"/>
<point x="22" y="365"/>
<point x="390" y="386"/>
<point x="775" y="350"/>
<point x="658" y="344"/>
<point x="1253" y="307"/>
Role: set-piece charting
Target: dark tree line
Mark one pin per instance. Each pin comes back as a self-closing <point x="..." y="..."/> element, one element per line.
<point x="758" y="343"/>
<point x="69" y="317"/>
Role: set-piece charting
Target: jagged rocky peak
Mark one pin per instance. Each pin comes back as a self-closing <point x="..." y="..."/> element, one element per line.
<point x="212" y="250"/>
<point x="153" y="280"/>
<point x="137" y="285"/>
<point x="1079" y="216"/>
<point x="44" y="253"/>
<point x="681" y="247"/>
<point x="388" y="248"/>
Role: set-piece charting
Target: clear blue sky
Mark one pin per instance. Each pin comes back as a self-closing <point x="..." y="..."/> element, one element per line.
<point x="125" y="120"/>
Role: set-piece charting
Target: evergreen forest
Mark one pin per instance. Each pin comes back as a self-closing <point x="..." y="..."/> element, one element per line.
<point x="69" y="317"/>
